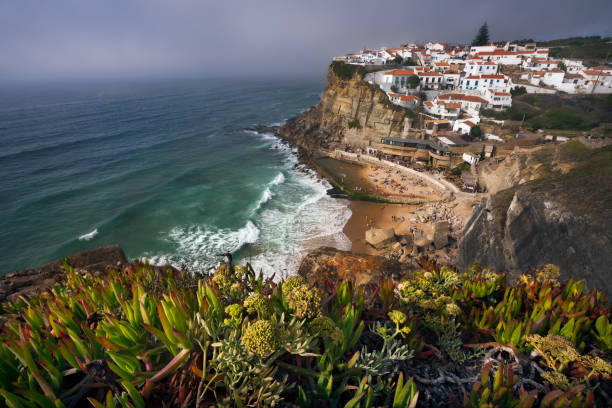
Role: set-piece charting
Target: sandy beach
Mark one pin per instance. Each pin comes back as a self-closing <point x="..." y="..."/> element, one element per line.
<point x="415" y="221"/>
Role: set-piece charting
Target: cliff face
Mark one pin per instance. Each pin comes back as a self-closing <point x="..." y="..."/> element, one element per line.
<point x="563" y="216"/>
<point x="345" y="100"/>
<point x="37" y="280"/>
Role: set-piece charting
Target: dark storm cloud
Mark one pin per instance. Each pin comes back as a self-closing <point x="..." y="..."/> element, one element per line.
<point x="81" y="38"/>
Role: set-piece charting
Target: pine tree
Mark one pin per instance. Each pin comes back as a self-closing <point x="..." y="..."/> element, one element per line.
<point x="482" y="38"/>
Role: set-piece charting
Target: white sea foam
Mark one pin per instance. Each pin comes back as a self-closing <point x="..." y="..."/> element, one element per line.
<point x="198" y="246"/>
<point x="278" y="179"/>
<point x="298" y="216"/>
<point x="89" y="235"/>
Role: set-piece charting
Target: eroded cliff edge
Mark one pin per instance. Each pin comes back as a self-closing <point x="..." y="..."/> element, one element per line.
<point x="347" y="99"/>
<point x="558" y="209"/>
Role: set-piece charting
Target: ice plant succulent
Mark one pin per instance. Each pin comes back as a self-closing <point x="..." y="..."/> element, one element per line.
<point x="325" y="327"/>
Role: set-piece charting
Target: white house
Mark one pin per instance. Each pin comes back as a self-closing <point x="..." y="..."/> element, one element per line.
<point x="540" y="64"/>
<point x="397" y="77"/>
<point x="436" y="46"/>
<point x="478" y="66"/>
<point x="599" y="81"/>
<point x="471" y="158"/>
<point x="553" y="77"/>
<point x="534" y="77"/>
<point x="450" y="79"/>
<point x="430" y="80"/>
<point x="464" y="126"/>
<point x="498" y="100"/>
<point x="407" y="101"/>
<point x="501" y="57"/>
<point x="471" y="104"/>
<point x="497" y="82"/>
<point x="573" y="66"/>
<point x="440" y="66"/>
<point x="446" y="110"/>
<point x="475" y="49"/>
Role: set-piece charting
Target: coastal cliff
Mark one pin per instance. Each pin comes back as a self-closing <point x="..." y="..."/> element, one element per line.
<point x="550" y="206"/>
<point x="351" y="112"/>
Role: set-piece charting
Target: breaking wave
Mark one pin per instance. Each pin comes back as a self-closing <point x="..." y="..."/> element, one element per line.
<point x="89" y="235"/>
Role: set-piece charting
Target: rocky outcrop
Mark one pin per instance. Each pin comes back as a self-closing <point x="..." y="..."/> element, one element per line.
<point x="564" y="218"/>
<point x="344" y="101"/>
<point x="379" y="238"/>
<point x="329" y="264"/>
<point x="37" y="280"/>
<point x="441" y="234"/>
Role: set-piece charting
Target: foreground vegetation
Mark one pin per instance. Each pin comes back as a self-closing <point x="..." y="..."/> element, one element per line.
<point x="143" y="336"/>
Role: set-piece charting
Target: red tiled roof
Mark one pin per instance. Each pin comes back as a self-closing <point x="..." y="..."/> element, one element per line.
<point x="595" y="72"/>
<point x="470" y="124"/>
<point x="428" y="74"/>
<point x="404" y="97"/>
<point x="496" y="76"/>
<point x="400" y="72"/>
<point x="496" y="52"/>
<point x="462" y="97"/>
<point x="451" y="105"/>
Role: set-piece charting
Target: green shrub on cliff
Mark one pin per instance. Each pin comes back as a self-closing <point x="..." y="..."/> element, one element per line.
<point x="143" y="336"/>
<point x="354" y="124"/>
<point x="347" y="71"/>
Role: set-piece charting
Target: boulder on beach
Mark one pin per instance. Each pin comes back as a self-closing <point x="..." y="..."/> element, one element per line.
<point x="329" y="264"/>
<point x="380" y="237"/>
<point x="441" y="234"/>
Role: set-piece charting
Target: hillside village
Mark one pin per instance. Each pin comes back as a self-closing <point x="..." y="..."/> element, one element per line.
<point x="455" y="90"/>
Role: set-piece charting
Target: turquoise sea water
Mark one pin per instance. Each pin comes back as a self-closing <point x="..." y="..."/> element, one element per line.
<point x="165" y="169"/>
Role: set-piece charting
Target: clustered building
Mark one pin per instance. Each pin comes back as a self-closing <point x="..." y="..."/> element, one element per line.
<point x="452" y="85"/>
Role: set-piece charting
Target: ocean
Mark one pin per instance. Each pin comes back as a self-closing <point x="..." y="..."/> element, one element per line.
<point x="166" y="169"/>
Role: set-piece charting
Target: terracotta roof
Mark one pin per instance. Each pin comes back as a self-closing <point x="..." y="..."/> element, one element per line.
<point x="470" y="124"/>
<point x="428" y="74"/>
<point x="503" y="94"/>
<point x="429" y="103"/>
<point x="400" y="72"/>
<point x="451" y="105"/>
<point x="480" y="62"/>
<point x="442" y="64"/>
<point x="576" y="76"/>
<point x="496" y="52"/>
<point x="451" y="72"/>
<point x="462" y="97"/>
<point x="495" y="76"/>
<point x="403" y="97"/>
<point x="595" y="72"/>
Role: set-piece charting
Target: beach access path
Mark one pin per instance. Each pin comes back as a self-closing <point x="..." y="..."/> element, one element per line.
<point x="439" y="182"/>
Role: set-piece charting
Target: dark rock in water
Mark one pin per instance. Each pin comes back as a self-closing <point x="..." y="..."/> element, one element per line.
<point x="34" y="281"/>
<point x="263" y="129"/>
<point x="324" y="264"/>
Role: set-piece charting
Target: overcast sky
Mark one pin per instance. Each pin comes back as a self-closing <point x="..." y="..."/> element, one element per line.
<point x="173" y="38"/>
